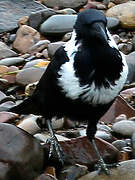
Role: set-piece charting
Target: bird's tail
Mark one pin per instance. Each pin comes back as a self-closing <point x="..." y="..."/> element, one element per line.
<point x="28" y="106"/>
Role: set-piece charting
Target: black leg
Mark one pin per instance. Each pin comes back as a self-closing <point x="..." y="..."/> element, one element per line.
<point x="54" y="144"/>
<point x="101" y="164"/>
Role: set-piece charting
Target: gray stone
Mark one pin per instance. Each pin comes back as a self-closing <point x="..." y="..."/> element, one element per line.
<point x="112" y="23"/>
<point x="12" y="10"/>
<point x="37" y="18"/>
<point x="32" y="63"/>
<point x="29" y="75"/>
<point x="58" y="24"/>
<point x="52" y="47"/>
<point x="119" y="144"/>
<point x="11" y="61"/>
<point x="130" y="58"/>
<point x="124" y="128"/>
<point x="5" y="51"/>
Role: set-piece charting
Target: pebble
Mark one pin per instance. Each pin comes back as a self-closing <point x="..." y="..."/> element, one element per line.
<point x="119" y="144"/>
<point x="11" y="61"/>
<point x="126" y="48"/>
<point x="74" y="4"/>
<point x="124" y="171"/>
<point x="58" y="24"/>
<point x="21" y="149"/>
<point x="44" y="137"/>
<point x="38" y="17"/>
<point x="29" y="124"/>
<point x="131" y="67"/>
<point x="39" y="46"/>
<point x="28" y="37"/>
<point x="29" y="75"/>
<point x="124" y="127"/>
<point x="112" y="23"/>
<point x="73" y="172"/>
<point x="125" y="12"/>
<point x="7" y="117"/>
<point x="32" y="63"/>
<point x="6" y="52"/>
<point x="52" y="47"/>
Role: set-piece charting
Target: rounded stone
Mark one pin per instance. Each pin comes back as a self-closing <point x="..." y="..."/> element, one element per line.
<point x="125" y="13"/>
<point x="21" y="151"/>
<point x="124" y="128"/>
<point x="58" y="24"/>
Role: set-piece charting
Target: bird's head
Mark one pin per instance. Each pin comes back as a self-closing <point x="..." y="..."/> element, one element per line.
<point x="91" y="25"/>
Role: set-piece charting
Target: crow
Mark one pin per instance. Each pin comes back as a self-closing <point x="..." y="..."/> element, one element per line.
<point x="82" y="80"/>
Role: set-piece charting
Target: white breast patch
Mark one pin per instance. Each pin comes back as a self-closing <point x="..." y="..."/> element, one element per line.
<point x="89" y="93"/>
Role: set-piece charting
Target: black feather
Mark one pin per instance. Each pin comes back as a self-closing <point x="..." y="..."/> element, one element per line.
<point x="94" y="61"/>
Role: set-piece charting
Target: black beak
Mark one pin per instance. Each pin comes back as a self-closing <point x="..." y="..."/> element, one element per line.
<point x="99" y="31"/>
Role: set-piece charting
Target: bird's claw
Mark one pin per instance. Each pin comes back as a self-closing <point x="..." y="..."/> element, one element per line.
<point x="54" y="145"/>
<point x="102" y="167"/>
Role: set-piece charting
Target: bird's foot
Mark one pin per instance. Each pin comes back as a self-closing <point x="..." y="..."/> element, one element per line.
<point x="55" y="146"/>
<point x="103" y="167"/>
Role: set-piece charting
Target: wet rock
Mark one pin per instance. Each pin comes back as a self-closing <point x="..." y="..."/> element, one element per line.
<point x="125" y="13"/>
<point x="57" y="124"/>
<point x="39" y="46"/>
<point x="52" y="47"/>
<point x="80" y="151"/>
<point x="5" y="51"/>
<point x="32" y="63"/>
<point x="26" y="37"/>
<point x="104" y="135"/>
<point x="12" y="11"/>
<point x="7" y="117"/>
<point x="75" y="4"/>
<point x="119" y="144"/>
<point x="120" y="106"/>
<point x="112" y="23"/>
<point x="38" y="17"/>
<point x="11" y="61"/>
<point x="10" y="76"/>
<point x="126" y="48"/>
<point x="130" y="58"/>
<point x="23" y="21"/>
<point x="73" y="172"/>
<point x="29" y="124"/>
<point x="133" y="145"/>
<point x="117" y="38"/>
<point x="24" y="155"/>
<point x="120" y="118"/>
<point x="29" y="75"/>
<point x="30" y="88"/>
<point x="58" y="24"/>
<point x="44" y="137"/>
<point x="124" y="128"/>
<point x="67" y="37"/>
<point x="125" y="171"/>
<point x="6" y="105"/>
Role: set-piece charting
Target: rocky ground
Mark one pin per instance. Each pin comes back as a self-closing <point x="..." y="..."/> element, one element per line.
<point x="30" y="33"/>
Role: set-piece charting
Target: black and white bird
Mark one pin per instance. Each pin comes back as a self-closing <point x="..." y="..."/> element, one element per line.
<point x="82" y="80"/>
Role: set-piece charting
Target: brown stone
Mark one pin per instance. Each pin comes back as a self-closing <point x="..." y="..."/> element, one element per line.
<point x="21" y="151"/>
<point x="26" y="37"/>
<point x="80" y="151"/>
<point x="125" y="13"/>
<point x="125" y="171"/>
